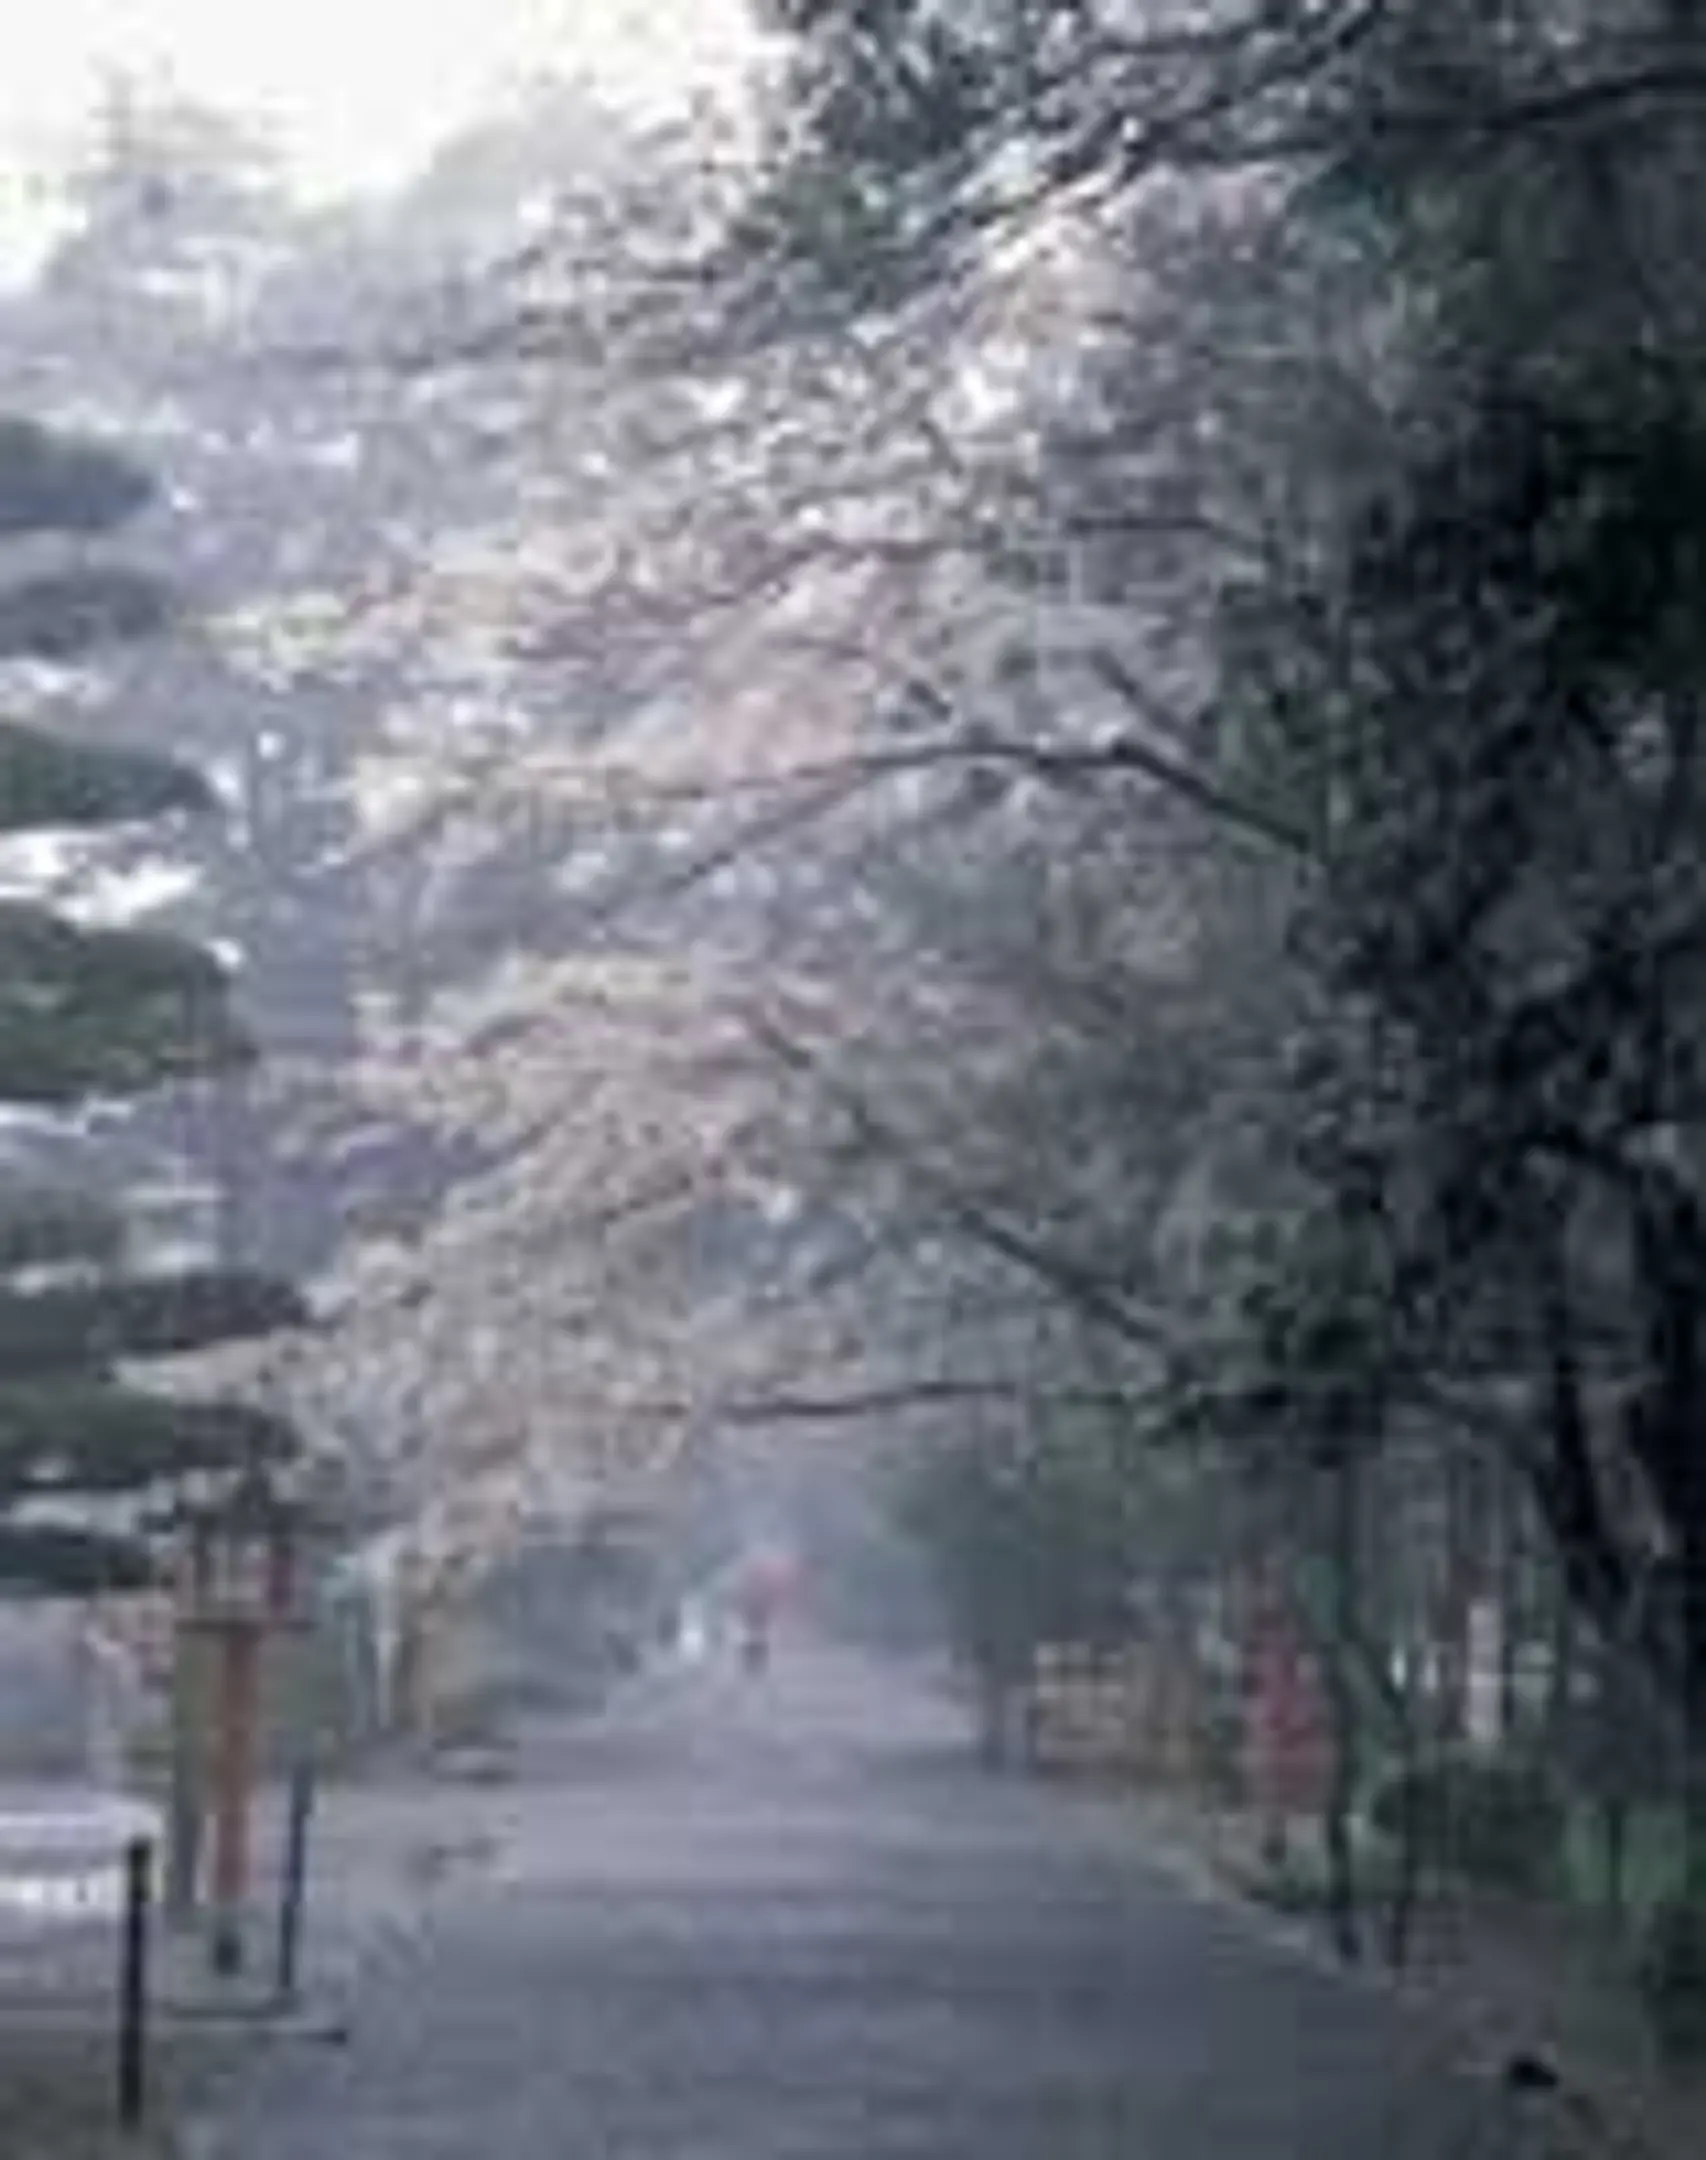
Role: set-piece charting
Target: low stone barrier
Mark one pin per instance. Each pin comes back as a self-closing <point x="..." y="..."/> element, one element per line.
<point x="1132" y="1713"/>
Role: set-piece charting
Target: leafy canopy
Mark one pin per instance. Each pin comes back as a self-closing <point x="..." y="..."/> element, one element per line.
<point x="89" y="1013"/>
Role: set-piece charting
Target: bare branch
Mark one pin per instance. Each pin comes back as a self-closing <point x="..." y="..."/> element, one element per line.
<point x="1126" y="756"/>
<point x="1075" y="1286"/>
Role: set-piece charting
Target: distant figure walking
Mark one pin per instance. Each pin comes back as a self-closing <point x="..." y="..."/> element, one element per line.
<point x="754" y="1642"/>
<point x="763" y="1588"/>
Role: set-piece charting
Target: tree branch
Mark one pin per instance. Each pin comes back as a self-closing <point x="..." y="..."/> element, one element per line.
<point x="1074" y="1286"/>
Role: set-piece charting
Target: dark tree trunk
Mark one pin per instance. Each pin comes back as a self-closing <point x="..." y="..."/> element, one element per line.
<point x="1513" y="1604"/>
<point x="1614" y="1848"/>
<point x="996" y="1719"/>
<point x="1561" y="1668"/>
<point x="1567" y="1490"/>
<point x="1407" y="1880"/>
<point x="1385" y="1530"/>
<point x="1664" y="1436"/>
<point x="1694" y="1722"/>
<point x="1458" y="1598"/>
<point x="1339" y="1815"/>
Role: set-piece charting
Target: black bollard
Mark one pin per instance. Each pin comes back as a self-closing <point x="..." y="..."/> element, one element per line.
<point x="295" y="1888"/>
<point x="133" y="1983"/>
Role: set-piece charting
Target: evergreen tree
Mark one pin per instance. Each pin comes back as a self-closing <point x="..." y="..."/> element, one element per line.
<point x="97" y="1014"/>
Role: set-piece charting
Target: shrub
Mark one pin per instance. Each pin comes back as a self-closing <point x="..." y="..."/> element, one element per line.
<point x="1220" y="1749"/>
<point x="1670" y="1973"/>
<point x="1299" y="1885"/>
<point x="1497" y="1819"/>
<point x="473" y="1718"/>
<point x="1294" y="1887"/>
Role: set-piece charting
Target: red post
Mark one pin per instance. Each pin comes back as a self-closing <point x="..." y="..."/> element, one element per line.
<point x="1288" y="1737"/>
<point x="234" y="1762"/>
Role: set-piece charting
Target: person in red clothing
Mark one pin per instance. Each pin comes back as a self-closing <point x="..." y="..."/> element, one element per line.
<point x="1288" y="1732"/>
<point x="763" y="1590"/>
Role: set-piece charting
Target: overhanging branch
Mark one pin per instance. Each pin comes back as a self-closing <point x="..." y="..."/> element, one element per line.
<point x="1074" y="1286"/>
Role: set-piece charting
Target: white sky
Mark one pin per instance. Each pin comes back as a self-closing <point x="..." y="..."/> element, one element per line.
<point x="358" y="92"/>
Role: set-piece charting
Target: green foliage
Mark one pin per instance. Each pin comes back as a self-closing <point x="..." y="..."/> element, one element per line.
<point x="97" y="1013"/>
<point x="71" y="1326"/>
<point x="51" y="482"/>
<point x="45" y="780"/>
<point x="84" y="1435"/>
<point x="1299" y="1885"/>
<point x="1027" y="1543"/>
<point x="1653" y="1859"/>
<point x="62" y="615"/>
<point x="106" y="1012"/>
<point x="1475" y="675"/>
<point x="966" y="114"/>
<point x="1463" y="659"/>
<point x="73" y="1560"/>
<point x="896" y="99"/>
<point x="41" y="1227"/>
<point x="1671" y="1975"/>
<point x="1497" y="1819"/>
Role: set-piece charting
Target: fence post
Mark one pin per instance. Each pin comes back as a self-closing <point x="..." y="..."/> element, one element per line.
<point x="295" y="1890"/>
<point x="133" y="1983"/>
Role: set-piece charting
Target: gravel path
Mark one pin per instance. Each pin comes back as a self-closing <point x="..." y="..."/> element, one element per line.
<point x="786" y="1919"/>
